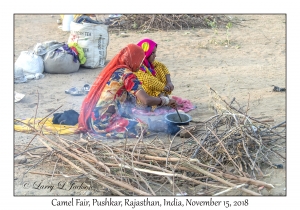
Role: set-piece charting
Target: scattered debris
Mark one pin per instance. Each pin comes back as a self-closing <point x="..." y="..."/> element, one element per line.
<point x="278" y="89"/>
<point x="18" y="96"/>
<point x="20" y="159"/>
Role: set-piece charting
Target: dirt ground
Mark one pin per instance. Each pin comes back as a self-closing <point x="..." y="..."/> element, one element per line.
<point x="245" y="69"/>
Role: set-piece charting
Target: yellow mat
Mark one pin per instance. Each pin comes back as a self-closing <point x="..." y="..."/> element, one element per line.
<point x="46" y="126"/>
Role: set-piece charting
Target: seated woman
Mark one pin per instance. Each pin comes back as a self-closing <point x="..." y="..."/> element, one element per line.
<point x="107" y="107"/>
<point x="154" y="75"/>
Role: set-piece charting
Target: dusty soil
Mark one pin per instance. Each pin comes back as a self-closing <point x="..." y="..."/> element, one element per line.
<point x="245" y="69"/>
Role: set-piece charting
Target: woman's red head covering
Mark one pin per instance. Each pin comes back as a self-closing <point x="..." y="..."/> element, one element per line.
<point x="130" y="58"/>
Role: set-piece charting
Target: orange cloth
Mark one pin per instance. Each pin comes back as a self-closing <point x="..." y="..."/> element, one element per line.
<point x="130" y="58"/>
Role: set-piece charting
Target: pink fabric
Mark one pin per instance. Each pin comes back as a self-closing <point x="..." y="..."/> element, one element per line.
<point x="152" y="45"/>
<point x="148" y="46"/>
<point x="183" y="104"/>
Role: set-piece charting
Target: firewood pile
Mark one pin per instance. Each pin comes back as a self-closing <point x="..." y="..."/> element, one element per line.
<point x="165" y="22"/>
<point x="227" y="156"/>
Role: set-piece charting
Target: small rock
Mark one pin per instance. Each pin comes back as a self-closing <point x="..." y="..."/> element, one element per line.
<point x="107" y="192"/>
<point x="124" y="35"/>
<point x="181" y="194"/>
<point x="20" y="159"/>
<point x="278" y="166"/>
<point x="278" y="89"/>
<point x="196" y="120"/>
<point x="88" y="193"/>
<point x="186" y="134"/>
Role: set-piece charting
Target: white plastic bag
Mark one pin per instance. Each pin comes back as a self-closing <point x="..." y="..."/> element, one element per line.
<point x="35" y="76"/>
<point x="66" y="22"/>
<point x="93" y="39"/>
<point x="30" y="62"/>
<point x="19" y="76"/>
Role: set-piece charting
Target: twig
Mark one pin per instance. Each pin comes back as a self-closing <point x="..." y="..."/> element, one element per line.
<point x="229" y="189"/>
<point x="48" y="174"/>
<point x="244" y="180"/>
<point x="30" y="142"/>
<point x="221" y="180"/>
<point x="28" y="151"/>
<point x="54" y="169"/>
<point x="37" y="106"/>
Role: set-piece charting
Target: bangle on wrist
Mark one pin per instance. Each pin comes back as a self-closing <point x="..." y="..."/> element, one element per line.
<point x="164" y="100"/>
<point x="160" y="102"/>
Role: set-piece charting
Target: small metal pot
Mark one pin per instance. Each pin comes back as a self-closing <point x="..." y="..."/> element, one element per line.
<point x="173" y="121"/>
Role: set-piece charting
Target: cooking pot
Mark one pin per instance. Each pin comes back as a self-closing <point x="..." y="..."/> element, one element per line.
<point x="173" y="121"/>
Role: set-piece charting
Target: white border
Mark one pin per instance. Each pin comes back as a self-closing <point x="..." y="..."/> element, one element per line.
<point x="153" y="6"/>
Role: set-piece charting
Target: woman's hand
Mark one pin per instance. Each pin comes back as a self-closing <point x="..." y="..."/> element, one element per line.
<point x="170" y="86"/>
<point x="172" y="103"/>
<point x="167" y="88"/>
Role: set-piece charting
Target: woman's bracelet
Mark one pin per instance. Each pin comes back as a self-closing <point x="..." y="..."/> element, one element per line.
<point x="165" y="100"/>
<point x="160" y="102"/>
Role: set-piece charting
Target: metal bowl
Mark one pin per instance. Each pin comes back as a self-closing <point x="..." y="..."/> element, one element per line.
<point x="173" y="121"/>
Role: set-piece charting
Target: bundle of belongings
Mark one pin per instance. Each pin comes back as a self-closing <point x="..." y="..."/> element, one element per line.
<point x="60" y="58"/>
<point x="28" y="66"/>
<point x="85" y="18"/>
<point x="61" y="123"/>
<point x="69" y="117"/>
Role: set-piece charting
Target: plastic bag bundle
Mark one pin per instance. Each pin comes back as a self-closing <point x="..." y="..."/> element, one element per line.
<point x="19" y="76"/>
<point x="93" y="39"/>
<point x="30" y="62"/>
<point x="60" y="62"/>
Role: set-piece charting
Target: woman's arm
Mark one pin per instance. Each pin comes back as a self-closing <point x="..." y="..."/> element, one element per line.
<point x="144" y="98"/>
<point x="169" y="85"/>
<point x="162" y="67"/>
<point x="133" y="85"/>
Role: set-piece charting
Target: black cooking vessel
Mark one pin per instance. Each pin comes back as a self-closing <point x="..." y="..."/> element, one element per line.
<point x="173" y="121"/>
